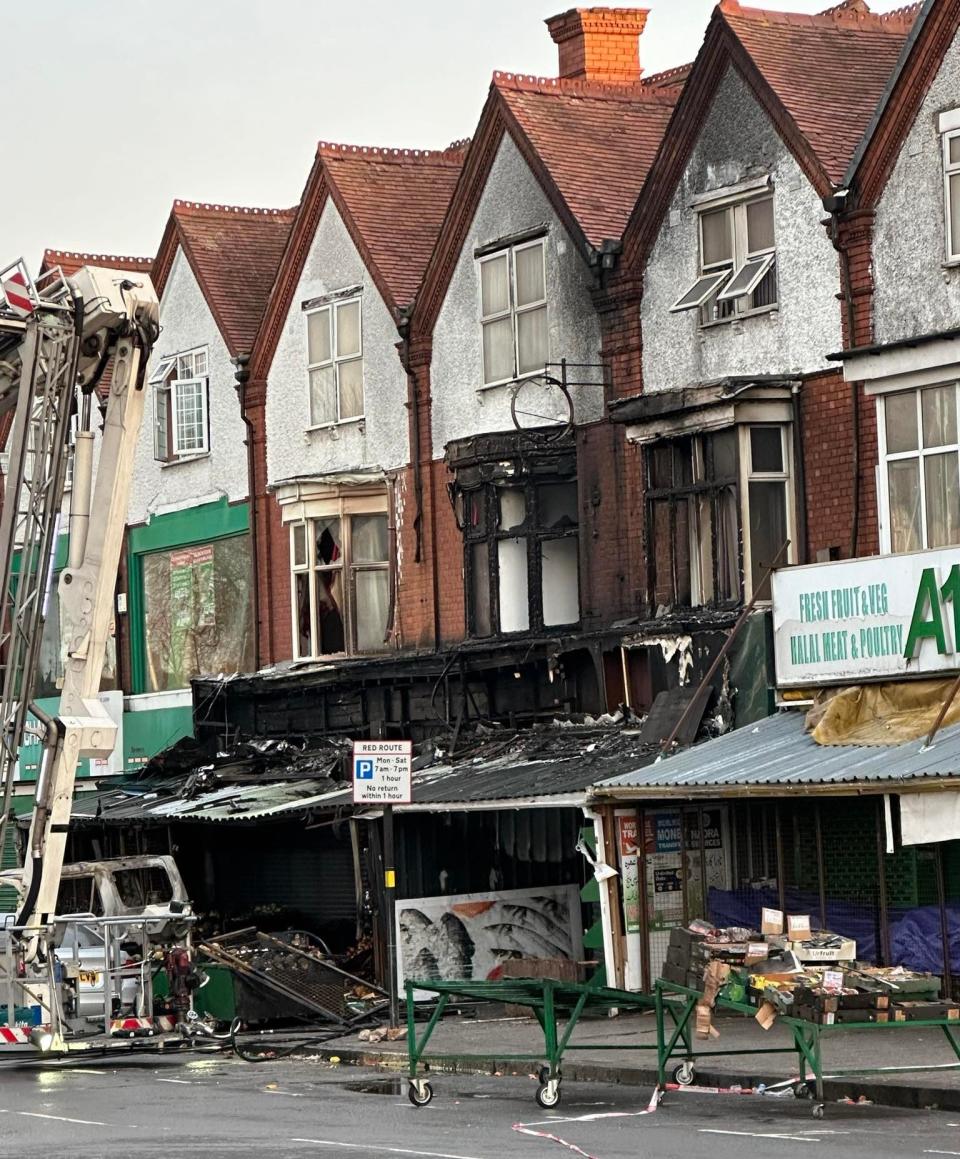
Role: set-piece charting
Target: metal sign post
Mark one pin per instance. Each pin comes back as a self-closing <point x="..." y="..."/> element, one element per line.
<point x="382" y="776"/>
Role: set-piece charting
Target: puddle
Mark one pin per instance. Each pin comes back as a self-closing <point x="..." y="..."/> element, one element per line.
<point x="391" y="1086"/>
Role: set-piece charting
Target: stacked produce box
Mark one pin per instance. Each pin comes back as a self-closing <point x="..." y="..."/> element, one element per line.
<point x="787" y="968"/>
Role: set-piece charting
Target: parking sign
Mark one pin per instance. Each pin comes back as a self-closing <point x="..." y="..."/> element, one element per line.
<point x="381" y="772"/>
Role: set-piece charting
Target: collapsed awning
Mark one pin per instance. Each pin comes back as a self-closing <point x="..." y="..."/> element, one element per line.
<point x="226" y="803"/>
<point x="776" y="757"/>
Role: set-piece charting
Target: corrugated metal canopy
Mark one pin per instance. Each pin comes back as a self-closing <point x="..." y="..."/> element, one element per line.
<point x="778" y="755"/>
<point x="224" y="803"/>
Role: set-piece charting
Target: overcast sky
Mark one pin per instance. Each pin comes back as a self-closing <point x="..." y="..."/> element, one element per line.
<point x="124" y="105"/>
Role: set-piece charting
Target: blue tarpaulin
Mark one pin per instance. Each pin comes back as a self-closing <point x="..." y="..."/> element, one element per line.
<point x="915" y="936"/>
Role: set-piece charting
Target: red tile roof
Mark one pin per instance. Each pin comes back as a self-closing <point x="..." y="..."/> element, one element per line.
<point x="596" y="141"/>
<point x="827" y="70"/>
<point x="234" y="252"/>
<point x="396" y="200"/>
<point x="71" y="260"/>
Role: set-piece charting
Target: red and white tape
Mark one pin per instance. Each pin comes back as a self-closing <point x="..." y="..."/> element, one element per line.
<point x="530" y="1128"/>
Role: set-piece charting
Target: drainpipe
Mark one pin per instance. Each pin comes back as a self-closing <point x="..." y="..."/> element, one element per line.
<point x="799" y="470"/>
<point x="834" y="206"/>
<point x="242" y="374"/>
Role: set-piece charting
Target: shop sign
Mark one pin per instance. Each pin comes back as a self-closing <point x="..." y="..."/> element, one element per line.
<point x="878" y="618"/>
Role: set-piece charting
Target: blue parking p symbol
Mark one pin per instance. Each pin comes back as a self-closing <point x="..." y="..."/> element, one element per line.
<point x="363" y="770"/>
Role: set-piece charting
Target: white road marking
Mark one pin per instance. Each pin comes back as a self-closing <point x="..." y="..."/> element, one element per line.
<point x="181" y="1082"/>
<point x="758" y="1135"/>
<point x="62" y="1119"/>
<point x="941" y="1152"/>
<point x="386" y="1150"/>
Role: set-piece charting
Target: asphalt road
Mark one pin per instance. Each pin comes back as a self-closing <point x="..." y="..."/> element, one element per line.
<point x="217" y="1106"/>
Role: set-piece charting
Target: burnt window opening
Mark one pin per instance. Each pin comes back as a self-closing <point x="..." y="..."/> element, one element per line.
<point x="521" y="547"/>
<point x="719" y="508"/>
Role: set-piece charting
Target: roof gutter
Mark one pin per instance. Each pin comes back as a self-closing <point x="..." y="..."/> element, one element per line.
<point x="606" y="795"/>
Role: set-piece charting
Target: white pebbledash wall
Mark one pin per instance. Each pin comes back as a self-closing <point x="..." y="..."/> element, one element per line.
<point x="738" y="143"/>
<point x="916" y="292"/>
<point x="512" y="201"/>
<point x="380" y="440"/>
<point x="186" y="323"/>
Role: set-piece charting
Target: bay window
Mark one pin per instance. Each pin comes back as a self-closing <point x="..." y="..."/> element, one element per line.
<point x="920" y="468"/>
<point x="521" y="555"/>
<point x="719" y="509"/>
<point x="340" y="574"/>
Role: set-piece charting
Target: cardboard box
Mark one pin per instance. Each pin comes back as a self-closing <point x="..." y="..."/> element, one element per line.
<point x="845" y="952"/>
<point x="798" y="927"/>
<point x="771" y="921"/>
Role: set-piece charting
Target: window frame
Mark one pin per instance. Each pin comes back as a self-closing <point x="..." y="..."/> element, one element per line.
<point x="332" y="307"/>
<point x="748" y="475"/>
<point x="514" y="310"/>
<point x="885" y="457"/>
<point x="714" y="308"/>
<point x="951" y="169"/>
<point x="164" y="380"/>
<point x="345" y="510"/>
<point x="713" y="489"/>
<point x="532" y="532"/>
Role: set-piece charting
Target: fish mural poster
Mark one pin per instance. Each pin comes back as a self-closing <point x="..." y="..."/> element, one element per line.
<point x="470" y="936"/>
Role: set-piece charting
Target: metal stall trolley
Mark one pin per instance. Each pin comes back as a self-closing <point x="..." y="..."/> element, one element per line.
<point x="552" y="1003"/>
<point x="676" y="1005"/>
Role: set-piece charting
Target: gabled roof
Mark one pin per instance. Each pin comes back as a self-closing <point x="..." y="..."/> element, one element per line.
<point x="72" y="260"/>
<point x="595" y="141"/>
<point x="827" y="70"/>
<point x="819" y="77"/>
<point x="395" y="199"/>
<point x="933" y="32"/>
<point x="392" y="202"/>
<point x="234" y="253"/>
<point x="589" y="145"/>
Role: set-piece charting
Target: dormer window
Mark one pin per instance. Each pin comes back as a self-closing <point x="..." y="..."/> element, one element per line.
<point x="737" y="261"/>
<point x="181" y="389"/>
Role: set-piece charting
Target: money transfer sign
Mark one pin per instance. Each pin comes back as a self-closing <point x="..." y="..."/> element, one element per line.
<point x="381" y="772"/>
<point x="879" y="618"/>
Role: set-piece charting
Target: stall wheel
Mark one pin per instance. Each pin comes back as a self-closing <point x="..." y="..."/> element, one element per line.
<point x="684" y="1074"/>
<point x="818" y="1111"/>
<point x="548" y="1094"/>
<point x="420" y="1092"/>
<point x="543" y="1075"/>
<point x="802" y="1090"/>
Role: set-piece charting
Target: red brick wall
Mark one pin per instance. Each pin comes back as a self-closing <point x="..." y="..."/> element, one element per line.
<point x="827" y="418"/>
<point x="855" y="239"/>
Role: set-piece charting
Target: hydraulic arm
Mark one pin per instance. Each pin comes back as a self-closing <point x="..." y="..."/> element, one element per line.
<point x="53" y="358"/>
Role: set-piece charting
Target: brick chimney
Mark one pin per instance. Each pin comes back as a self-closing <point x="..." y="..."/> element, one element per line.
<point x="599" y="44"/>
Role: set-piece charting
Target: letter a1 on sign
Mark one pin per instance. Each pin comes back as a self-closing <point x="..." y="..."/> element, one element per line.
<point x="381" y="772"/>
